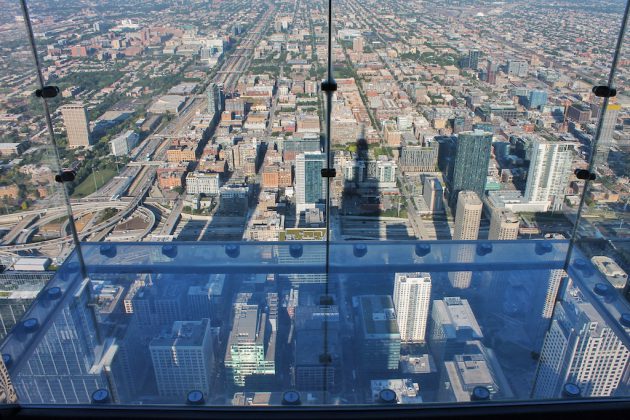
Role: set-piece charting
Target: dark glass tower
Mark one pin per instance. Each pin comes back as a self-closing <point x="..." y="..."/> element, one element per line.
<point x="470" y="171"/>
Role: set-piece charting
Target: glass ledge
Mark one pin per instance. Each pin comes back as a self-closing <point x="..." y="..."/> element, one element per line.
<point x="259" y="324"/>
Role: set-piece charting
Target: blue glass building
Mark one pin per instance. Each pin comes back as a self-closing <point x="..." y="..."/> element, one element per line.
<point x="470" y="169"/>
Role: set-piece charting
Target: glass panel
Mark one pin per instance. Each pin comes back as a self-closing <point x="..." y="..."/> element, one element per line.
<point x="205" y="123"/>
<point x="35" y="230"/>
<point x="182" y="123"/>
<point x="218" y="324"/>
<point x="602" y="233"/>
<point x="246" y="324"/>
<point x="446" y="97"/>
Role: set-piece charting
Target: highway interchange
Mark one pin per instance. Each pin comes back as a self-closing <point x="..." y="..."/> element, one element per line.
<point x="128" y="191"/>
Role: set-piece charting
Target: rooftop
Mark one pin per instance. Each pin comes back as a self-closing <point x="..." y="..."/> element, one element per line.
<point x="378" y="316"/>
<point x="458" y="319"/>
<point x="183" y="334"/>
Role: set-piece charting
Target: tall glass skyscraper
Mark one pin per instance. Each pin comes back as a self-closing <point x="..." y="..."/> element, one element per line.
<point x="473" y="59"/>
<point x="310" y="187"/>
<point x="472" y="156"/>
<point x="64" y="368"/>
<point x="379" y="334"/>
<point x="183" y="359"/>
<point x="250" y="353"/>
<point x="537" y="99"/>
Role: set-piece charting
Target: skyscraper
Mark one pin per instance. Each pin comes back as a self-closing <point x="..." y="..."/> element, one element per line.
<point x="517" y="68"/>
<point x="537" y="99"/>
<point x="19" y="286"/>
<point x="64" y="367"/>
<point x="214" y="99"/>
<point x="310" y="373"/>
<point x="7" y="391"/>
<point x="467" y="216"/>
<point x="550" y="169"/>
<point x="473" y="59"/>
<point x="419" y="158"/>
<point x="555" y="278"/>
<point x="475" y="366"/>
<point x="183" y="359"/>
<point x="357" y="44"/>
<point x="160" y="304"/>
<point x="503" y="225"/>
<point x="293" y="146"/>
<point x="453" y="324"/>
<point x="606" y="135"/>
<point x="472" y="156"/>
<point x="581" y="348"/>
<point x="433" y="195"/>
<point x="315" y="255"/>
<point x="412" y="296"/>
<point x="492" y="72"/>
<point x="467" y="221"/>
<point x="310" y="186"/>
<point x="75" y="118"/>
<point x="250" y="351"/>
<point x="544" y="302"/>
<point x="379" y="334"/>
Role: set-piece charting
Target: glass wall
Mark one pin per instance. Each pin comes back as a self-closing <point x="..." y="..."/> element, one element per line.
<point x="602" y="230"/>
<point x="35" y="230"/>
<point x="410" y="202"/>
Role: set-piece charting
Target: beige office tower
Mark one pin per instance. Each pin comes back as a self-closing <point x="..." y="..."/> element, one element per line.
<point x="467" y="220"/>
<point x="503" y="225"/>
<point x="467" y="216"/>
<point x="77" y="124"/>
<point x="357" y="45"/>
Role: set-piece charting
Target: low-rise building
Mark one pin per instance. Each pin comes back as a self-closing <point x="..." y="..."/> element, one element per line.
<point x="277" y="176"/>
<point x="613" y="272"/>
<point x="202" y="183"/>
<point x="124" y="143"/>
<point x="13" y="149"/>
<point x="170" y="177"/>
<point x="407" y="392"/>
<point x="168" y="104"/>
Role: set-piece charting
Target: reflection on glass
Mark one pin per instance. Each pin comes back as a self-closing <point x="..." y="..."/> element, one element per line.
<point x="459" y="123"/>
<point x="244" y="328"/>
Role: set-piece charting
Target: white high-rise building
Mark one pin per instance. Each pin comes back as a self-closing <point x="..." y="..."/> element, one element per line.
<point x="412" y="297"/>
<point x="580" y="348"/>
<point x="550" y="168"/>
<point x="183" y="359"/>
<point x="357" y="44"/>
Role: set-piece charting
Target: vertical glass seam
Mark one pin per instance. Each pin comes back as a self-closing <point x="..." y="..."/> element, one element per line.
<point x="595" y="143"/>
